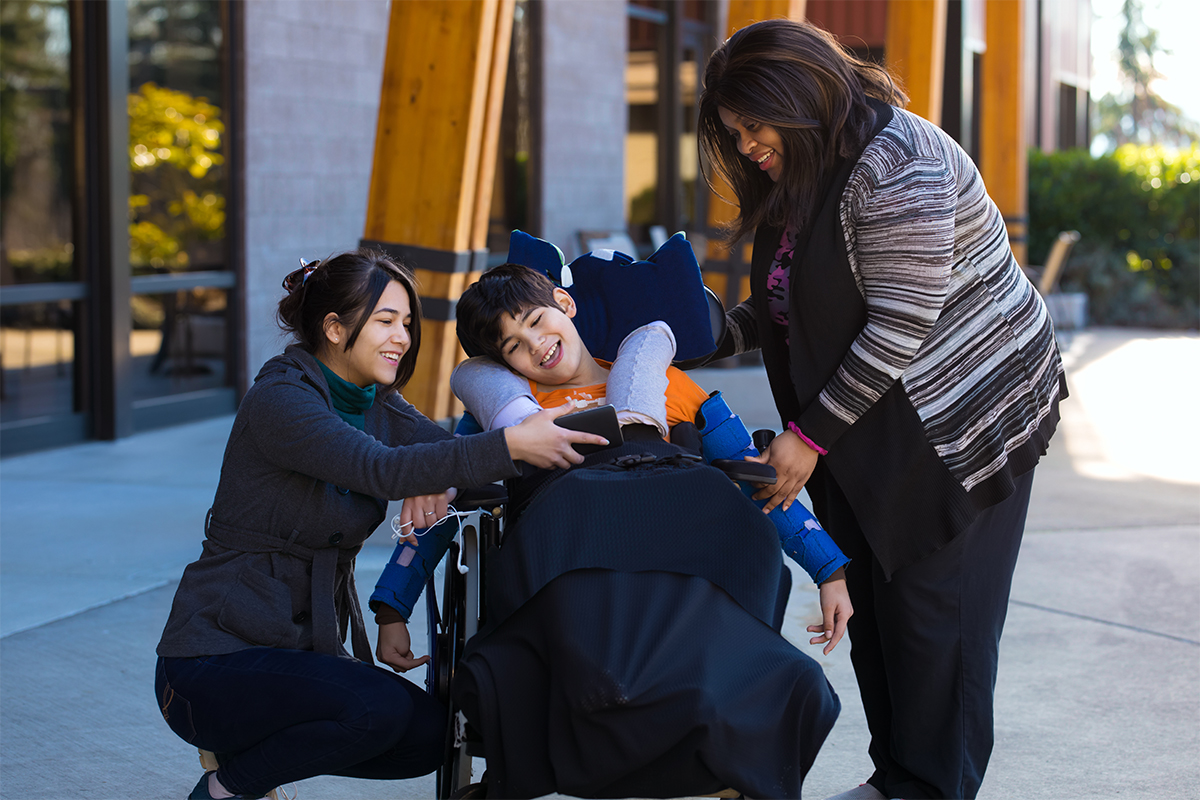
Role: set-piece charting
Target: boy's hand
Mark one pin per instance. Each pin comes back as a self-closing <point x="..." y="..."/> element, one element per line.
<point x="538" y="441"/>
<point x="423" y="511"/>
<point x="793" y="461"/>
<point x="395" y="648"/>
<point x="836" y="610"/>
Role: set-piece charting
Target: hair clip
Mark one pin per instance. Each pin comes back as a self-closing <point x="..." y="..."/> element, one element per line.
<point x="296" y="278"/>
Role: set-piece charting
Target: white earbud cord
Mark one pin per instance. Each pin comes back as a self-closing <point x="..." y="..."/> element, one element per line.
<point x="398" y="531"/>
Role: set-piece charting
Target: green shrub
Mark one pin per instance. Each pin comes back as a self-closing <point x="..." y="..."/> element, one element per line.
<point x="1137" y="211"/>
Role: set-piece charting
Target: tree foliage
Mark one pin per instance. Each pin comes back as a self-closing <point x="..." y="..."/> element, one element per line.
<point x="32" y="76"/>
<point x="1139" y="115"/>
<point x="177" y="200"/>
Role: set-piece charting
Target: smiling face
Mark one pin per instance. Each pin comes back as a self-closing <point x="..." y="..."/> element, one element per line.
<point x="542" y="344"/>
<point x="382" y="342"/>
<point x="757" y="141"/>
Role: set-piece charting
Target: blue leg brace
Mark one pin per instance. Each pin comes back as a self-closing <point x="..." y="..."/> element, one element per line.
<point x="409" y="568"/>
<point x="722" y="435"/>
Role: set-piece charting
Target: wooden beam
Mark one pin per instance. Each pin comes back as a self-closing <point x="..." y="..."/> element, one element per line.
<point x="491" y="130"/>
<point x="916" y="52"/>
<point x="1002" y="139"/>
<point x="436" y="82"/>
<point x="435" y="161"/>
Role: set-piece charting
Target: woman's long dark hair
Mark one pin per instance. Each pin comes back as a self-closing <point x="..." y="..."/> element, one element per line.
<point x="350" y="285"/>
<point x="798" y="79"/>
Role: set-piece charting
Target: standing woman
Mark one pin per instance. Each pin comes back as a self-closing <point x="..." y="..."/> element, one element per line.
<point x="914" y="369"/>
<point x="251" y="663"/>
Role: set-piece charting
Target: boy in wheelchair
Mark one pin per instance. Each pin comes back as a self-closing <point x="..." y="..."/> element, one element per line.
<point x="533" y="357"/>
<point x="631" y="644"/>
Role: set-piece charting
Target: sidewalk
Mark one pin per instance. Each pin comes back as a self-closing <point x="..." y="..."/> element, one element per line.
<point x="1099" y="685"/>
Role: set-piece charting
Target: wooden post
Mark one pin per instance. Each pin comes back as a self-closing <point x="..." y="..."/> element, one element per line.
<point x="435" y="159"/>
<point x="728" y="274"/>
<point x="1003" y="161"/>
<point x="915" y="51"/>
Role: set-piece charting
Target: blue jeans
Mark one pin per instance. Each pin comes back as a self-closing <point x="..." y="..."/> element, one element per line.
<point x="277" y="716"/>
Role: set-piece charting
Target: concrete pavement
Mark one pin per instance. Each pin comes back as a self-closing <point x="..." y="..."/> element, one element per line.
<point x="1099" y="684"/>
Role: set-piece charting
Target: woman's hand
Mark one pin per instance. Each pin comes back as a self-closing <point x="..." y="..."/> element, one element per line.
<point x="395" y="648"/>
<point x="793" y="461"/>
<point x="835" y="609"/>
<point x="538" y="441"/>
<point x="423" y="511"/>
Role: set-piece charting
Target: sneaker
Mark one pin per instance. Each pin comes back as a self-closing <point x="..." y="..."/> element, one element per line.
<point x="201" y="791"/>
<point x="209" y="763"/>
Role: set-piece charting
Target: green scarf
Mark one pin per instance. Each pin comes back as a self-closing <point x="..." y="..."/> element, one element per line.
<point x="349" y="401"/>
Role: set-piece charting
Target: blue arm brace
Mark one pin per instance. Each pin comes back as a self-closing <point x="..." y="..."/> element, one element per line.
<point x="722" y="435"/>
<point x="400" y="586"/>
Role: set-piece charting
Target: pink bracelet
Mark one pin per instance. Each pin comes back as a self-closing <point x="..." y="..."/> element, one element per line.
<point x="794" y="428"/>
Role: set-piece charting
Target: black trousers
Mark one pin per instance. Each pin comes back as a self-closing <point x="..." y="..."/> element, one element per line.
<point x="278" y="716"/>
<point x="925" y="647"/>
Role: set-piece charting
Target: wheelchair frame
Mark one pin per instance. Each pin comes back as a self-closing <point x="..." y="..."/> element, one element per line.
<point x="461" y="614"/>
<point x="463" y="611"/>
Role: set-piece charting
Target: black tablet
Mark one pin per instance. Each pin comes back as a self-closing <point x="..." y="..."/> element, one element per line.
<point x="601" y="420"/>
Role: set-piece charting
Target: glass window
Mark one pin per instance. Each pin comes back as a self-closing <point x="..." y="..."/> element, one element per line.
<point x="37" y="333"/>
<point x="668" y="44"/>
<point x="55" y="366"/>
<point x="35" y="131"/>
<point x="176" y="137"/>
<point x="641" y="92"/>
<point x="179" y="342"/>
<point x="37" y="347"/>
<point x="177" y="202"/>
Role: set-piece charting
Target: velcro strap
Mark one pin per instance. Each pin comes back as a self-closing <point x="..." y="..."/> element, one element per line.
<point x="728" y="439"/>
<point x="713" y="412"/>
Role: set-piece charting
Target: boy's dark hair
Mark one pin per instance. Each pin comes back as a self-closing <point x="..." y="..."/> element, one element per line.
<point x="349" y="285"/>
<point x="509" y="289"/>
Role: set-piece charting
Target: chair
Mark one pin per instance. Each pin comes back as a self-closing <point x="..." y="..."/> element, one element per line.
<point x="619" y="241"/>
<point x="1068" y="310"/>
<point x="1046" y="278"/>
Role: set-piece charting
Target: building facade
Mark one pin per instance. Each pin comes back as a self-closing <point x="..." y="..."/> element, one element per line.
<point x="167" y="162"/>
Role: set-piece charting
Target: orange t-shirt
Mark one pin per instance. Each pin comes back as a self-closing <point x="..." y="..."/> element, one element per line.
<point x="684" y="395"/>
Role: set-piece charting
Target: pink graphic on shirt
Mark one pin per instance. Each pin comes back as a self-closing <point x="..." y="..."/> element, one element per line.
<point x="778" y="281"/>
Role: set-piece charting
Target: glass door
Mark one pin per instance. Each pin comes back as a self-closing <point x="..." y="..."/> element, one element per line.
<point x="40" y="287"/>
<point x="180" y="323"/>
<point x="116" y="256"/>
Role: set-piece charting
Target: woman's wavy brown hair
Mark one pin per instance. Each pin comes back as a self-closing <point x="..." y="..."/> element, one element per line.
<point x="798" y="79"/>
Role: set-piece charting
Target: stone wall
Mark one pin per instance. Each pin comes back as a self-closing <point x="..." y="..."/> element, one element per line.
<point x="585" y="119"/>
<point x="313" y="72"/>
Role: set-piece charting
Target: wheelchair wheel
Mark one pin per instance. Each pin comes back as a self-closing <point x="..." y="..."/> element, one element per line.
<point x="460" y="621"/>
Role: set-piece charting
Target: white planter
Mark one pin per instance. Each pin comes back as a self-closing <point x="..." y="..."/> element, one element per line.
<point x="1068" y="310"/>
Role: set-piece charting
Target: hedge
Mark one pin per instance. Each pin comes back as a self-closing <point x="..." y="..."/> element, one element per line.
<point x="1137" y="211"/>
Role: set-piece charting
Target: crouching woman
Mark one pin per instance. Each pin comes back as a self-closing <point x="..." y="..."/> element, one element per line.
<point x="251" y="663"/>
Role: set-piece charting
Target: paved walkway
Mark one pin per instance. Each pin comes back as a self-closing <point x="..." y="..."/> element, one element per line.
<point x="1099" y="686"/>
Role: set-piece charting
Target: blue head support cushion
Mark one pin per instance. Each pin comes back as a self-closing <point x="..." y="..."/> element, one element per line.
<point x="615" y="294"/>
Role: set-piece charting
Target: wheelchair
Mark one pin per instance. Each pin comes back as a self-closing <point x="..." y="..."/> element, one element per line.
<point x="647" y="644"/>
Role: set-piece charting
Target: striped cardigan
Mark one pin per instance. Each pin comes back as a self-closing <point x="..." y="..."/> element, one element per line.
<point x="942" y="348"/>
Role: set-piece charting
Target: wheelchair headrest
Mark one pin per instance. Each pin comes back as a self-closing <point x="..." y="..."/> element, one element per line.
<point x="615" y="294"/>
